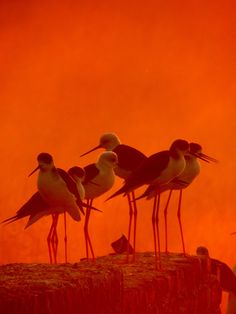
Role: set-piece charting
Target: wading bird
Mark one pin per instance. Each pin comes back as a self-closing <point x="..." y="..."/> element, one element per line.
<point x="158" y="169"/>
<point x="57" y="193"/>
<point x="99" y="178"/>
<point x="190" y="172"/>
<point x="129" y="159"/>
<point x="222" y="271"/>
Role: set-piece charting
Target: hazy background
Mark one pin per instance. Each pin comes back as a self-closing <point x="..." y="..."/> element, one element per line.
<point x="151" y="72"/>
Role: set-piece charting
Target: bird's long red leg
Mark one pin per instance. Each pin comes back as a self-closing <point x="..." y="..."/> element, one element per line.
<point x="55" y="238"/>
<point x="179" y="218"/>
<point x="157" y="227"/>
<point x="86" y="234"/>
<point x="154" y="227"/>
<point x="135" y="223"/>
<point x="86" y="228"/>
<point x="65" y="237"/>
<point x="49" y="240"/>
<point x="130" y="225"/>
<point x="88" y="237"/>
<point x="165" y="216"/>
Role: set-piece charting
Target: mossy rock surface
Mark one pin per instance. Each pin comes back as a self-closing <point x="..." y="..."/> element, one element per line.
<point x="110" y="286"/>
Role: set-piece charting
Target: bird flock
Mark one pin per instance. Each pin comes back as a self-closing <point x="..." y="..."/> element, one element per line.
<point x="72" y="192"/>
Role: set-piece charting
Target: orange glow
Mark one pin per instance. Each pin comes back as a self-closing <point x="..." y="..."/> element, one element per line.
<point x="149" y="72"/>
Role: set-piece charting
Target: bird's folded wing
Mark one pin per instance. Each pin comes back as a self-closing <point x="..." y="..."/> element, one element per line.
<point x="129" y="158"/>
<point x="91" y="171"/>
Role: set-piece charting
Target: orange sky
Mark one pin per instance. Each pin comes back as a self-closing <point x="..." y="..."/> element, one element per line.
<point x="151" y="73"/>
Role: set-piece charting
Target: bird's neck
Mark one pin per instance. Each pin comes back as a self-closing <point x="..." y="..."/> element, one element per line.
<point x="176" y="154"/>
<point x="112" y="146"/>
<point x="104" y="165"/>
<point x="51" y="169"/>
<point x="77" y="179"/>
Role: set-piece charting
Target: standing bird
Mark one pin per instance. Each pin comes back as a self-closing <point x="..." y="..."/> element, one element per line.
<point x="129" y="159"/>
<point x="190" y="172"/>
<point x="158" y="169"/>
<point x="99" y="178"/>
<point x="222" y="271"/>
<point x="57" y="192"/>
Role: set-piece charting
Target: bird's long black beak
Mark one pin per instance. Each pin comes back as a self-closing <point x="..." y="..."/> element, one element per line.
<point x="204" y="157"/>
<point x="34" y="171"/>
<point x="209" y="158"/>
<point x="91" y="150"/>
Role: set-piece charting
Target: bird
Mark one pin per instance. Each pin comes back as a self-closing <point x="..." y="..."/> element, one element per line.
<point x="158" y="169"/>
<point x="221" y="270"/>
<point x="99" y="178"/>
<point x="57" y="192"/>
<point x="186" y="177"/>
<point x="129" y="159"/>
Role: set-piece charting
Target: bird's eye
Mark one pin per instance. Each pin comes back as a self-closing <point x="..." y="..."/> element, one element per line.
<point x="104" y="142"/>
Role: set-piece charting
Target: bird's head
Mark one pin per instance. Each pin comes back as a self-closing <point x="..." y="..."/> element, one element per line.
<point x="45" y="162"/>
<point x="109" y="159"/>
<point x="108" y="141"/>
<point x="196" y="150"/>
<point x="179" y="146"/>
<point x="77" y="173"/>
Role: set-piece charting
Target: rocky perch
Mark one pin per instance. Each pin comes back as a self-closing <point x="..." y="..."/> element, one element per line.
<point x="109" y="286"/>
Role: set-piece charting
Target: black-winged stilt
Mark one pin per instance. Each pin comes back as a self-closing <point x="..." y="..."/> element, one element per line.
<point x="57" y="193"/>
<point x="129" y="159"/>
<point x="221" y="270"/>
<point x="99" y="178"/>
<point x="158" y="169"/>
<point x="190" y="172"/>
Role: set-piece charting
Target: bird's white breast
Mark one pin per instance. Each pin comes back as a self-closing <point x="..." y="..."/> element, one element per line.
<point x="174" y="168"/>
<point x="54" y="190"/>
<point x="103" y="183"/>
<point x="191" y="170"/>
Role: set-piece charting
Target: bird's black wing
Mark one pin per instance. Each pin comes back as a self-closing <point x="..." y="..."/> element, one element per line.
<point x="150" y="169"/>
<point x="71" y="184"/>
<point x="91" y="171"/>
<point x="72" y="187"/>
<point x="179" y="182"/>
<point x="227" y="277"/>
<point x="33" y="206"/>
<point x="129" y="158"/>
<point x="147" y="172"/>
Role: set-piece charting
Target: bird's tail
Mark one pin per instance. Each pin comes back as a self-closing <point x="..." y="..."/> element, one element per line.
<point x="150" y="192"/>
<point x="80" y="205"/>
<point x="120" y="191"/>
<point x="141" y="196"/>
<point x="10" y="220"/>
<point x="93" y="208"/>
